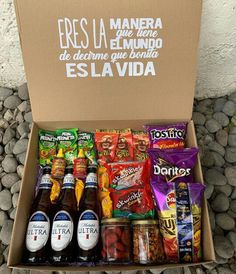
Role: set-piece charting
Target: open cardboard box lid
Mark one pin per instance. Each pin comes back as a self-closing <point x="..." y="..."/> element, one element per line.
<point x="49" y="28"/>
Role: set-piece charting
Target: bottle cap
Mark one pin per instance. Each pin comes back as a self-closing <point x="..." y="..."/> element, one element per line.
<point x="81" y="153"/>
<point x="60" y="153"/>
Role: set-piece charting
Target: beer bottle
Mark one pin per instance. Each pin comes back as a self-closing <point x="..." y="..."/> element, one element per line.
<point x="88" y="223"/>
<point x="37" y="235"/>
<point x="63" y="234"/>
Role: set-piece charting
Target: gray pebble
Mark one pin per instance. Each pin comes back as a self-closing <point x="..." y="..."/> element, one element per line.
<point x="214" y="146"/>
<point x="212" y="126"/>
<point x="223" y="247"/>
<point x="208" y="159"/>
<point x="233" y="194"/>
<point x="224" y="221"/>
<point x="20" y="146"/>
<point x="1" y="150"/>
<point x="24" y="107"/>
<point x="230" y="154"/>
<point x="232" y="97"/>
<point x="221" y="118"/>
<point x="28" y="117"/>
<point x="1" y="259"/>
<point x="214" y="177"/>
<point x="16" y="187"/>
<point x="173" y="271"/>
<point x="8" y="115"/>
<point x="220" y="260"/>
<point x="220" y="203"/>
<point x="5" y="199"/>
<point x="13" y="214"/>
<point x="230" y="173"/>
<point x="21" y="158"/>
<point x="232" y="130"/>
<point x="226" y="189"/>
<point x="208" y="191"/>
<point x="218" y="231"/>
<point x="219" y="104"/>
<point x="232" y="140"/>
<point x="222" y="137"/>
<point x="3" y="123"/>
<point x="8" y="180"/>
<point x="19" y="117"/>
<point x="4" y="93"/>
<point x="232" y="213"/>
<point x="8" y="135"/>
<point x="218" y="159"/>
<point x="233" y="267"/>
<point x="20" y="170"/>
<point x="198" y="118"/>
<point x="15" y="198"/>
<point x="9" y="146"/>
<point x="3" y="217"/>
<point x="224" y="270"/>
<point x="233" y="205"/>
<point x="23" y="92"/>
<point x="23" y="128"/>
<point x="4" y="269"/>
<point x="12" y="102"/>
<point x="5" y="253"/>
<point x="9" y="164"/>
<point x="232" y="237"/>
<point x="5" y="234"/>
<point x="229" y="108"/>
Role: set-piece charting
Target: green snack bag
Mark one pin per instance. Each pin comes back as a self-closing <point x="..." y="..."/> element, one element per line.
<point x="86" y="142"/>
<point x="47" y="146"/>
<point x="67" y="139"/>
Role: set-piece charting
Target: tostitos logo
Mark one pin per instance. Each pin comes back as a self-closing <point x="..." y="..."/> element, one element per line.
<point x="170" y="200"/>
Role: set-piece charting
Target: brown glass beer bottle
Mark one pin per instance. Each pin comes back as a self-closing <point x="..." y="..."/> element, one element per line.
<point x="63" y="234"/>
<point x="38" y="230"/>
<point x="88" y="223"/>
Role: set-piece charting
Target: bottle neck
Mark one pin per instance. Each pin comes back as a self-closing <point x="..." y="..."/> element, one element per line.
<point x="45" y="182"/>
<point x="91" y="180"/>
<point x="68" y="182"/>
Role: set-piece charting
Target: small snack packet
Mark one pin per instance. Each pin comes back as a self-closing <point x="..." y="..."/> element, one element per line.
<point x="179" y="210"/>
<point x="106" y="142"/>
<point x="167" y="136"/>
<point x="79" y="189"/>
<point x="55" y="190"/>
<point x="67" y="139"/>
<point x="124" y="150"/>
<point x="140" y="144"/>
<point x="168" y="165"/>
<point x="86" y="142"/>
<point x="47" y="146"/>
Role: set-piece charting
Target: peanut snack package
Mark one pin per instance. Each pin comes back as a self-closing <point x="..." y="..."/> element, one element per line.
<point x="140" y="144"/>
<point x="124" y="149"/>
<point x="179" y="207"/>
<point x="47" y="147"/>
<point x="172" y="165"/>
<point x="86" y="142"/>
<point x="167" y="136"/>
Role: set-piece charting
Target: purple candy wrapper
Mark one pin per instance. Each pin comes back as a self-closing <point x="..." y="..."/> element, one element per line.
<point x="179" y="207"/>
<point x="168" y="165"/>
<point x="167" y="136"/>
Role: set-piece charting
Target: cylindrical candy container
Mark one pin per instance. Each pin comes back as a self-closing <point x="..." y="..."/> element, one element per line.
<point x="147" y="242"/>
<point x="116" y="240"/>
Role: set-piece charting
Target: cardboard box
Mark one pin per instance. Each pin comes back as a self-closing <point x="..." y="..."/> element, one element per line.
<point x="127" y="88"/>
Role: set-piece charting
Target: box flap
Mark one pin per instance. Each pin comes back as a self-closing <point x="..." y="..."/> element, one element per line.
<point x="110" y="60"/>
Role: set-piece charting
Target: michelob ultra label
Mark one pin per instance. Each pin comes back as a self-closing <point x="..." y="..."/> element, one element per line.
<point x="88" y="230"/>
<point x="62" y="230"/>
<point x="38" y="231"/>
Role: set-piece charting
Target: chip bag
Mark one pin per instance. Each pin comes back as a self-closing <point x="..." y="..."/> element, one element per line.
<point x="140" y="144"/>
<point x="67" y="139"/>
<point x="167" y="136"/>
<point x="106" y="142"/>
<point x="47" y="146"/>
<point x="86" y="142"/>
<point x="179" y="207"/>
<point x="124" y="150"/>
<point x="168" y="165"/>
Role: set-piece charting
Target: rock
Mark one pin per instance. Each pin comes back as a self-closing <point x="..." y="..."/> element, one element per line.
<point x="3" y="123"/>
<point x="16" y="187"/>
<point x="212" y="125"/>
<point x="5" y="253"/>
<point x="214" y="177"/>
<point x="220" y="203"/>
<point x="233" y="194"/>
<point x="20" y="146"/>
<point x="233" y="267"/>
<point x="9" y="146"/>
<point x="226" y="189"/>
<point x="20" y="170"/>
<point x="232" y="237"/>
<point x="23" y="92"/>
<point x="28" y="117"/>
<point x="175" y="270"/>
<point x="231" y="213"/>
<point x="221" y="118"/>
<point x="220" y="260"/>
<point x="21" y="158"/>
<point x="198" y="118"/>
<point x="12" y="102"/>
<point x="208" y="191"/>
<point x="19" y="117"/>
<point x="4" y="93"/>
<point x="5" y="234"/>
<point x="218" y="159"/>
<point x="4" y="269"/>
<point x="24" y="271"/>
<point x="230" y="154"/>
<point x="24" y="107"/>
<point x="23" y="128"/>
<point x="5" y="199"/>
<point x="224" y="270"/>
<point x="210" y="266"/>
<point x="15" y="198"/>
<point x="232" y="140"/>
<point x="214" y="146"/>
<point x="1" y="150"/>
<point x="229" y="108"/>
<point x="224" y="221"/>
<point x="232" y="97"/>
<point x="222" y="137"/>
<point x="230" y="173"/>
<point x="8" y="180"/>
<point x="223" y="247"/>
<point x="233" y="205"/>
<point x="218" y="231"/>
<point x="8" y="135"/>
<point x="208" y="159"/>
<point x="9" y="164"/>
<point x="1" y="259"/>
<point x="219" y="104"/>
<point x="3" y="217"/>
<point x="13" y="214"/>
<point x="8" y="116"/>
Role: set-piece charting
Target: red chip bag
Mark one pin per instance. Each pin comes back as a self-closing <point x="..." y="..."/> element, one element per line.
<point x="124" y="150"/>
<point x="140" y="144"/>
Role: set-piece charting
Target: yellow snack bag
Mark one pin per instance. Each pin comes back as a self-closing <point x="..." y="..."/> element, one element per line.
<point x="79" y="189"/>
<point x="106" y="203"/>
<point x="55" y="191"/>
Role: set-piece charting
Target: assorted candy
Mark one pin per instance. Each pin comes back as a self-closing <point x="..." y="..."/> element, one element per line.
<point x="143" y="176"/>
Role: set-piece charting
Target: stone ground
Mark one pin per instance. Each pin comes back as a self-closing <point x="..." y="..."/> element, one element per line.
<point x="215" y="121"/>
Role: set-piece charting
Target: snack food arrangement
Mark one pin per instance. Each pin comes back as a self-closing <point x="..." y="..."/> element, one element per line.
<point x="116" y="196"/>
